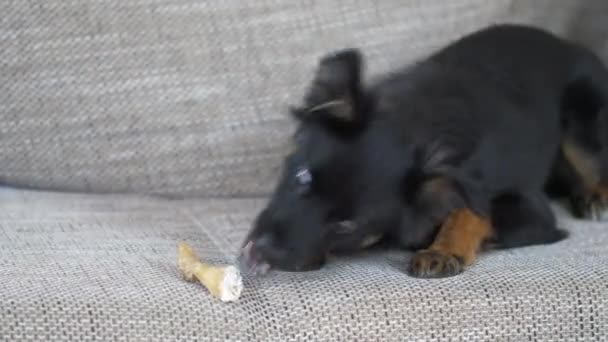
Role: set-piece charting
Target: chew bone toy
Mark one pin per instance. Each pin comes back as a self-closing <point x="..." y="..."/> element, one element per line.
<point x="224" y="283"/>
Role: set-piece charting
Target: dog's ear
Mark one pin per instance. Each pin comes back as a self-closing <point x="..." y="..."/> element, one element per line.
<point x="335" y="94"/>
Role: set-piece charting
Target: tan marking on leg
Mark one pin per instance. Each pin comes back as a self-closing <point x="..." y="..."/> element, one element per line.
<point x="462" y="234"/>
<point x="456" y="245"/>
<point x="583" y="163"/>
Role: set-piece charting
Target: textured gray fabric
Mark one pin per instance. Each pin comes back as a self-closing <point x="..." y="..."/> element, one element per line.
<point x="83" y="268"/>
<point x="187" y="97"/>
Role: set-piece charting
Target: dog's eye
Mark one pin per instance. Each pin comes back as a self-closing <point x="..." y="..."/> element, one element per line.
<point x="304" y="179"/>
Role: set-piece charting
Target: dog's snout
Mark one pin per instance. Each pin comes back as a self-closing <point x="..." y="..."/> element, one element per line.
<point x="267" y="246"/>
<point x="253" y="257"/>
<point x="263" y="243"/>
<point x="282" y="239"/>
<point x="251" y="261"/>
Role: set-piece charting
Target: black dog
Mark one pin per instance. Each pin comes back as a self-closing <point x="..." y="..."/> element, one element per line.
<point x="440" y="157"/>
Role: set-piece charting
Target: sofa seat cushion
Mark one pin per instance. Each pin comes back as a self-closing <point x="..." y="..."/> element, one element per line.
<point x="103" y="268"/>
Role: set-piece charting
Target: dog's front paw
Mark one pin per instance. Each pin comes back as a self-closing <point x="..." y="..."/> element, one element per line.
<point x="594" y="206"/>
<point x="433" y="264"/>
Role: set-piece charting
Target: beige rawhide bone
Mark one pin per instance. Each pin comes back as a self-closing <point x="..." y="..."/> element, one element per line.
<point x="223" y="282"/>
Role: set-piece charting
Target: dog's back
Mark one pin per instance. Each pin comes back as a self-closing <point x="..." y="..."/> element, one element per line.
<point x="494" y="98"/>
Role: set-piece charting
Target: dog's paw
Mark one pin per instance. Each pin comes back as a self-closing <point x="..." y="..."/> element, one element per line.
<point x="433" y="264"/>
<point x="593" y="206"/>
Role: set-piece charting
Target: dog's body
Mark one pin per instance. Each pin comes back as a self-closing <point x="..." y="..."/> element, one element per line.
<point x="443" y="156"/>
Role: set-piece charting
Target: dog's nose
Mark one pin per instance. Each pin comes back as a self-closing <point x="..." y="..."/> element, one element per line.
<point x="251" y="260"/>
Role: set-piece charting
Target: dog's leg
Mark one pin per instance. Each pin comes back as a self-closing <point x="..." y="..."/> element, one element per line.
<point x="524" y="219"/>
<point x="586" y="134"/>
<point x="588" y="183"/>
<point x="567" y="182"/>
<point x="601" y="190"/>
<point x="455" y="245"/>
<point x="585" y="146"/>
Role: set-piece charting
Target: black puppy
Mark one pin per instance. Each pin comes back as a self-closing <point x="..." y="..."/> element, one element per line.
<point x="439" y="157"/>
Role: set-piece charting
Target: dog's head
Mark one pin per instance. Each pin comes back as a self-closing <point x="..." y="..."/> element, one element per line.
<point x="343" y="170"/>
<point x="321" y="179"/>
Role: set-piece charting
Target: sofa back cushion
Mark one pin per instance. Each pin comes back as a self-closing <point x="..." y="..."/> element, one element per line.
<point x="188" y="98"/>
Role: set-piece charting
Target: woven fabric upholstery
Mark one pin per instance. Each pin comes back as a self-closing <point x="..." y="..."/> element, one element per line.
<point x="188" y="97"/>
<point x="80" y="268"/>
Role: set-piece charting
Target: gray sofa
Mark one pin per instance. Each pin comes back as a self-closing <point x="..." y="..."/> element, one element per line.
<point x="173" y="112"/>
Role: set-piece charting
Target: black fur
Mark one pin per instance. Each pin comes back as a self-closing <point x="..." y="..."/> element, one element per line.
<point x="478" y="124"/>
<point x="581" y="170"/>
